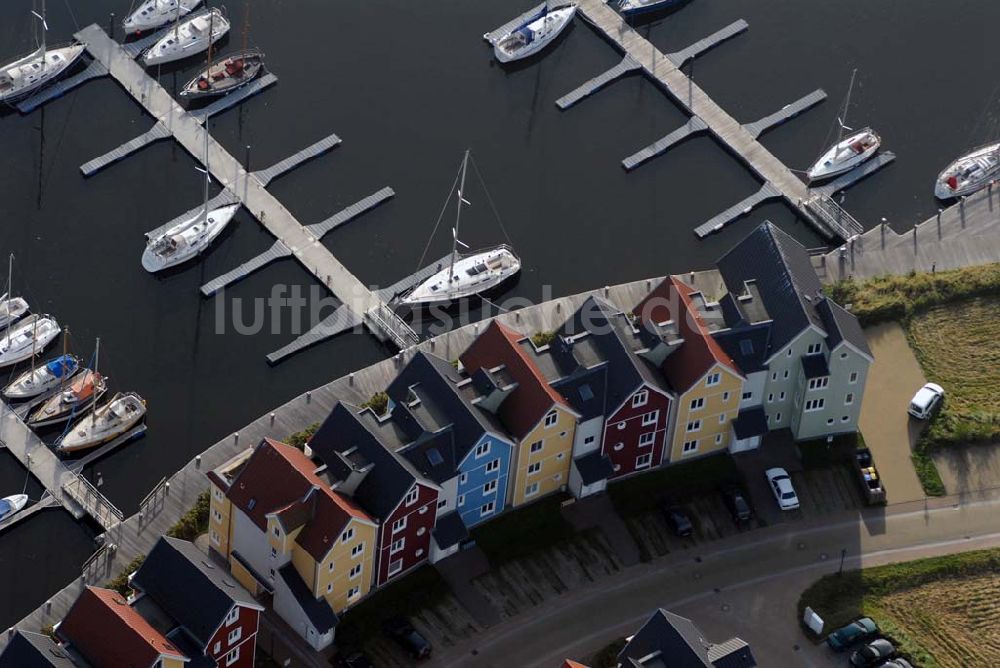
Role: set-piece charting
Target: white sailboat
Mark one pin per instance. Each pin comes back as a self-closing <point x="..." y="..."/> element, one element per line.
<point x="11" y="308"/>
<point x="466" y="275"/>
<point x="9" y="505"/>
<point x="28" y="338"/>
<point x="52" y="374"/>
<point x="967" y="174"/>
<point x="848" y="152"/>
<point x="190" y="237"/>
<point x="153" y="14"/>
<point x="31" y="72"/>
<point x="188" y="38"/>
<point x="533" y="34"/>
<point x="104" y="424"/>
<point x="82" y="393"/>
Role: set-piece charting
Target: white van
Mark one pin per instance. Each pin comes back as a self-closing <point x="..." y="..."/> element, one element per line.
<point x="925" y="401"/>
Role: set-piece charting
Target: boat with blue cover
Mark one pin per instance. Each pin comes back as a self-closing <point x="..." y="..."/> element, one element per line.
<point x="46" y="377"/>
<point x="534" y="33"/>
<point x="9" y="505"/>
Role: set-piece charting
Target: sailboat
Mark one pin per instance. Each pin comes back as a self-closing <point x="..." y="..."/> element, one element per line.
<point x="189" y="37"/>
<point x="152" y="14"/>
<point x="11" y="308"/>
<point x="190" y="237"/>
<point x="534" y="34"/>
<point x="967" y="174"/>
<point x="31" y="72"/>
<point x="637" y="7"/>
<point x="50" y="375"/>
<point x="466" y="275"/>
<point x="28" y="338"/>
<point x="848" y="152"/>
<point x="82" y="393"/>
<point x="228" y="74"/>
<point x="9" y="505"/>
<point x="104" y="424"/>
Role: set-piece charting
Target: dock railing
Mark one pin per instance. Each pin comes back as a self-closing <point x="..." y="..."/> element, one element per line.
<point x="834" y="216"/>
<point x="83" y="492"/>
<point x="387" y="322"/>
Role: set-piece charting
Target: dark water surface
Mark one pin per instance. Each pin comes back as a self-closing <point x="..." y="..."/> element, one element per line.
<point x="408" y="85"/>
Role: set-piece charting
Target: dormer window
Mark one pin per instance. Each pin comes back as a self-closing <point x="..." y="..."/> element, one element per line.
<point x="411" y="496"/>
<point x="814" y="349"/>
<point x="640" y="398"/>
<point x="551" y="418"/>
<point x="713" y="380"/>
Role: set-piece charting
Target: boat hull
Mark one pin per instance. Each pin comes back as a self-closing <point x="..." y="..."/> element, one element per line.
<point x="832" y="163"/>
<point x="12" y="505"/>
<point x="14" y="87"/>
<point x="189" y="41"/>
<point x="425" y="294"/>
<point x="512" y="46"/>
<point x="13" y="310"/>
<point x="31" y="384"/>
<point x="153" y="14"/>
<point x="634" y="8"/>
<point x="56" y="411"/>
<point x="985" y="160"/>
<point x="90" y="432"/>
<point x="28" y="339"/>
<point x="220" y="80"/>
<point x="196" y="241"/>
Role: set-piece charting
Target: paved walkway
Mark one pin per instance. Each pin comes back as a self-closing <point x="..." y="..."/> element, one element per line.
<point x="887" y="427"/>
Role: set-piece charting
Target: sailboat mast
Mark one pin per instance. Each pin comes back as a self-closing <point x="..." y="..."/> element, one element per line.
<point x="458" y="218"/>
<point x="847" y="104"/>
<point x="10" y="277"/>
<point x="208" y="178"/>
<point x="45" y="30"/>
<point x="62" y="378"/>
<point x="246" y="25"/>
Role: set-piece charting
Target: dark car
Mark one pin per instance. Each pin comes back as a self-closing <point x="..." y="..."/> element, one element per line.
<point x="407" y="637"/>
<point x="737" y="503"/>
<point x="677" y="518"/>
<point x="873" y="654"/>
<point x="857" y="631"/>
<point x="353" y="660"/>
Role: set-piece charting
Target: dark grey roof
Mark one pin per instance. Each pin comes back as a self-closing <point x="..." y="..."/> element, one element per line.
<point x="188" y="645"/>
<point x="682" y="645"/>
<point x="842" y="326"/>
<point x="748" y="345"/>
<point x="192" y="590"/>
<point x="783" y="276"/>
<point x="585" y="390"/>
<point x="815" y="366"/>
<point x="594" y="467"/>
<point x="750" y="422"/>
<point x="433" y="455"/>
<point x="319" y="612"/>
<point x="390" y="477"/>
<point x="449" y="530"/>
<point x="34" y="650"/>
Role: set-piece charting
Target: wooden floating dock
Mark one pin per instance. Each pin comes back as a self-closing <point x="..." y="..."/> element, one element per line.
<point x="390" y="292"/>
<point x="227" y="101"/>
<point x="93" y="71"/>
<point x="136" y="47"/>
<point x="738" y="210"/>
<point x="493" y="35"/>
<point x="660" y="146"/>
<point x="678" y="58"/>
<point x="341" y="320"/>
<point x="78" y="465"/>
<point x="265" y="176"/>
<point x="224" y="198"/>
<point x="154" y="134"/>
<point x="277" y="251"/>
<point x="347" y="214"/>
<point x="787" y="112"/>
<point x="862" y="171"/>
<point x="628" y="64"/>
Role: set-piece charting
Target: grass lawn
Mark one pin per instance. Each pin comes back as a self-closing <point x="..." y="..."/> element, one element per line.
<point x="940" y="612"/>
<point x="521" y="532"/>
<point x="640" y="494"/>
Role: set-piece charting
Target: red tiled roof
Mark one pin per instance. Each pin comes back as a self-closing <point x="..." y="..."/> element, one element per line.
<point x="108" y="632"/>
<point x="533" y="397"/>
<point x="700" y="351"/>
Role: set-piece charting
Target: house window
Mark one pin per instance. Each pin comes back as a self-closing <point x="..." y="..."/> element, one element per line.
<point x="235" y="635"/>
<point x="482" y="449"/>
<point x="643" y="461"/>
<point x="562" y="434"/>
<point x="785" y="376"/>
<point x="770" y="397"/>
<point x="536" y="446"/>
<point x="777" y="418"/>
<point x="551" y="418"/>
<point x="443" y="503"/>
<point x="849" y="399"/>
<point x="588" y="440"/>
<point x="353" y="592"/>
<point x="215" y="537"/>
<point x="694" y="425"/>
<point x="421" y="531"/>
<point x="747" y="396"/>
<point x="854" y="377"/>
<point x="217" y="493"/>
<point x="355" y="551"/>
<point x="650" y="418"/>
<point x="620" y="425"/>
<point x="233" y="615"/>
<point x="819" y="383"/>
<point x="774" y="375"/>
<point x="329" y="587"/>
<point x="722" y="418"/>
<point x="218" y="517"/>
<point x="647" y="439"/>
<point x="233" y="657"/>
<point x="216" y="648"/>
<point x="697" y="404"/>
<point x="619" y="446"/>
<point x="487" y="509"/>
<point x="814" y="349"/>
<point x="534" y="468"/>
<point x="395" y="567"/>
<point x="330" y="567"/>
<point x="461" y="500"/>
<point x="557" y="477"/>
<point x="423" y="510"/>
<point x="531" y="489"/>
<point x="274" y="552"/>
<point x="788" y="352"/>
<point x="490" y="487"/>
<point x="845" y="418"/>
<point x="781" y="397"/>
<point x="725" y="397"/>
<point x="690" y="446"/>
<point x="815" y="405"/>
<point x="464" y="478"/>
<point x="843" y="356"/>
<point x="713" y="380"/>
<point x="640" y="398"/>
<point x="494" y="465"/>
<point x="348" y="535"/>
<point x="355" y="571"/>
<point x="829" y="421"/>
<point x="560" y="455"/>
<point x="277" y="531"/>
<point x="399" y="525"/>
<point x="718" y="439"/>
<point x="411" y="496"/>
<point x="397" y="546"/>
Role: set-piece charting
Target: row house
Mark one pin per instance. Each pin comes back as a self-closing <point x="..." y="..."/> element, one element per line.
<point x="539" y="418"/>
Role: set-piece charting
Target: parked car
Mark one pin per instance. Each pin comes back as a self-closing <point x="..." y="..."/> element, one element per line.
<point x="873" y="654"/>
<point x="737" y="504"/>
<point x="898" y="663"/>
<point x="781" y="485"/>
<point x="925" y="401"/>
<point x="857" y="631"/>
<point x="353" y="660"/>
<point x="677" y="518"/>
<point x="407" y="637"/>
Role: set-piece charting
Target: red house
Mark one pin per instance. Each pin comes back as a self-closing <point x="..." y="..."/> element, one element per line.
<point x="359" y="450"/>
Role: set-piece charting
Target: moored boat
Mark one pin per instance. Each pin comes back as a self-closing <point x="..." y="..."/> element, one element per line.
<point x="846" y="154"/>
<point x="534" y="33"/>
<point x="967" y="174"/>
<point x="187" y="239"/>
<point x="636" y="7"/>
<point x="226" y="75"/>
<point x="189" y="37"/>
<point x="153" y="14"/>
<point x="29" y="337"/>
<point x="46" y="377"/>
<point x="40" y="67"/>
<point x="104" y="424"/>
<point x="9" y="505"/>
<point x="85" y="389"/>
<point x="11" y="309"/>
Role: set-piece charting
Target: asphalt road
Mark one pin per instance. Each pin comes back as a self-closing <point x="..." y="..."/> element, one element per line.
<point x="746" y="585"/>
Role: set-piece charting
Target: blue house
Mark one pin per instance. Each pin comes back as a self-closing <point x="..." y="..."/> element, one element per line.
<point x="454" y="440"/>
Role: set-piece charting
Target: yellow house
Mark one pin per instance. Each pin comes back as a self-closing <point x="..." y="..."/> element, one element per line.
<point x="541" y="421"/>
<point x="705" y="412"/>
<point x="219" y="507"/>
